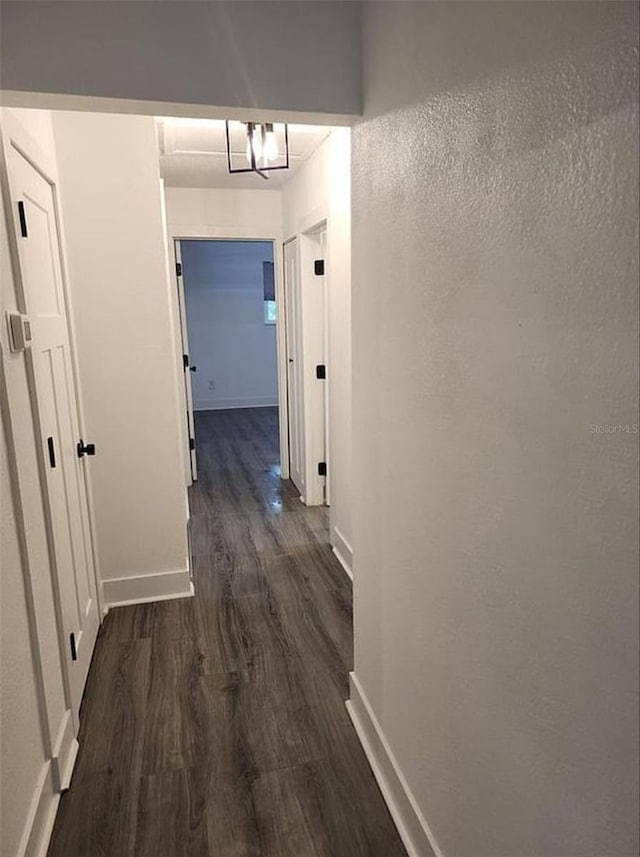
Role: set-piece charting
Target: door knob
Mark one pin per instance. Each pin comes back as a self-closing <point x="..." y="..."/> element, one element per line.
<point x="85" y="448"/>
<point x="193" y="368"/>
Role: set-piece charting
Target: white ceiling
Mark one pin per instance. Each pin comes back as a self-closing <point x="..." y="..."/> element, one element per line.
<point x="193" y="153"/>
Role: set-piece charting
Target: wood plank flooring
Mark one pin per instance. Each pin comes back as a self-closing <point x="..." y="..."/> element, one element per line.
<point x="215" y="726"/>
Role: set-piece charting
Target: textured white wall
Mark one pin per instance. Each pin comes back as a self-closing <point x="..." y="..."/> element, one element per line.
<point x="230" y="344"/>
<point x="322" y="189"/>
<point x="111" y="199"/>
<point x="494" y="321"/>
<point x="289" y="56"/>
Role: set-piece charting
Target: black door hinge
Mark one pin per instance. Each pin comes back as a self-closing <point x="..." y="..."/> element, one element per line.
<point x="179" y="269"/>
<point x="322" y="468"/>
<point x="23" y="220"/>
<point x="185" y="361"/>
<point x="52" y="452"/>
<point x="318" y="267"/>
<point x="192" y="443"/>
<point x="321" y="371"/>
<point x="74" y="651"/>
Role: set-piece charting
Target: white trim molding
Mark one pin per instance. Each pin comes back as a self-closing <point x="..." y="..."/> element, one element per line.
<point x="208" y="232"/>
<point x="412" y="827"/>
<point x="41" y="816"/>
<point x="343" y="551"/>
<point x="53" y="779"/>
<point x="163" y="586"/>
<point x="138" y="107"/>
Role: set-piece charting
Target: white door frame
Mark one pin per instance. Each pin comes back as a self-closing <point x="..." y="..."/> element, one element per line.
<point x="294" y="361"/>
<point x="185" y="362"/>
<point x="203" y="233"/>
<point x="16" y="137"/>
<point x="315" y="350"/>
<point x="313" y="287"/>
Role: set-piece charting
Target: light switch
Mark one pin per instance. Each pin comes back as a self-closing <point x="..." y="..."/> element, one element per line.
<point x="19" y="331"/>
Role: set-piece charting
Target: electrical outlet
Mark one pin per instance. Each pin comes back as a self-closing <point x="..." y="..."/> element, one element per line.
<point x="212" y="385"/>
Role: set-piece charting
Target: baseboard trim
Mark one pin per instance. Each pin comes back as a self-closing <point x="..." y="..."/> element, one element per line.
<point x="54" y="777"/>
<point x="41" y="817"/>
<point x="342" y="550"/>
<point x="163" y="586"/>
<point x="229" y="404"/>
<point x="412" y="827"/>
<point x="65" y="752"/>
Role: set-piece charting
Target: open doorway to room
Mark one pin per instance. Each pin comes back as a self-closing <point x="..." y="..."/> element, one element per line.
<point x="228" y="313"/>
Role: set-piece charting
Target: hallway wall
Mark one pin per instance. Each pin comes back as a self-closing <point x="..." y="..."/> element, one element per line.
<point x="111" y="199"/>
<point x="229" y="343"/>
<point x="495" y="315"/>
<point x="322" y="189"/>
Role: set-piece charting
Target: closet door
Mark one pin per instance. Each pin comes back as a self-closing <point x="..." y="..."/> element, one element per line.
<point x="64" y="454"/>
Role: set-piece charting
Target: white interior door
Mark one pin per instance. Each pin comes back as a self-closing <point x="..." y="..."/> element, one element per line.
<point x="186" y="363"/>
<point x="295" y="368"/>
<point x="34" y="209"/>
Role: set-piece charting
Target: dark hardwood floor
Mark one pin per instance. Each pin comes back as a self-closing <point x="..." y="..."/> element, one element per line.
<point x="215" y="726"/>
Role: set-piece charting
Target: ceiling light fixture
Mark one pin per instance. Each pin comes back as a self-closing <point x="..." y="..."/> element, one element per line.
<point x="264" y="142"/>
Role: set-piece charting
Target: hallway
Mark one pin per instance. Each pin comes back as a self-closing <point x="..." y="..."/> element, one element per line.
<point x="216" y="726"/>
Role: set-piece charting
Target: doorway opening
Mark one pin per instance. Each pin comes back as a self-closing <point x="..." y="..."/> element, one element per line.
<point x="228" y="315"/>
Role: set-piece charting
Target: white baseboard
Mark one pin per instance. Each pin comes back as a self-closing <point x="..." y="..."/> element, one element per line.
<point x="65" y="751"/>
<point x="120" y="591"/>
<point x="412" y="827"/>
<point x="242" y="402"/>
<point x="41" y="816"/>
<point x="342" y="550"/>
<point x="55" y="776"/>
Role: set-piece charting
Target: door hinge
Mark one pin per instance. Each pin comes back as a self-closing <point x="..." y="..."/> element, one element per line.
<point x="321" y="371"/>
<point x="52" y="452"/>
<point x="185" y="361"/>
<point x="192" y="443"/>
<point x="318" y="267"/>
<point x="74" y="650"/>
<point x="322" y="468"/>
<point x="179" y="269"/>
<point x="23" y="220"/>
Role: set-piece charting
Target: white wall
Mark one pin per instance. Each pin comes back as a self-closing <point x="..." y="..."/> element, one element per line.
<point x="27" y="797"/>
<point x="229" y="343"/>
<point x="289" y="56"/>
<point x="206" y="212"/>
<point x="321" y="190"/>
<point x="495" y="321"/>
<point x="111" y="200"/>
